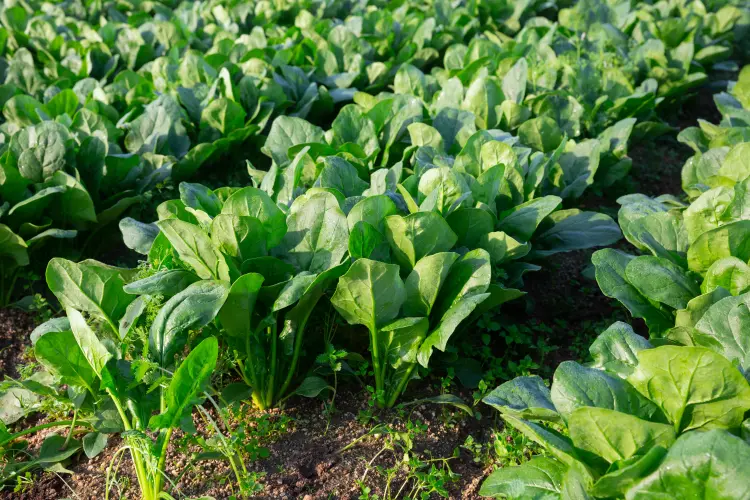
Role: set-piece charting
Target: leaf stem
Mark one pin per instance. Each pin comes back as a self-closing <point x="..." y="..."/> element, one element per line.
<point x="401" y="386"/>
<point x="160" y="473"/>
<point x="272" y="377"/>
<point x="31" y="430"/>
<point x="379" y="388"/>
<point x="135" y="453"/>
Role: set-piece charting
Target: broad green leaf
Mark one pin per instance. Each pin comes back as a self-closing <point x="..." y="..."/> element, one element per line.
<point x="614" y="435"/>
<point x="199" y="197"/>
<point x="367" y="242"/>
<point x="727" y="322"/>
<point x="712" y="464"/>
<point x="661" y="281"/>
<point x="166" y="283"/>
<point x="695" y="387"/>
<point x="192" y="308"/>
<point x="425" y="281"/>
<point x="610" y="267"/>
<point x="253" y="202"/>
<point x="318" y="234"/>
<point x="288" y="131"/>
<point x="236" y="313"/>
<point x="371" y="293"/>
<point x="524" y="397"/>
<point x="730" y="240"/>
<point x="729" y="273"/>
<point x="59" y="352"/>
<point x="373" y="210"/>
<point x="418" y="235"/>
<point x="538" y="479"/>
<point x="470" y="225"/>
<point x="575" y="230"/>
<point x="521" y="221"/>
<point x="91" y="287"/>
<point x="91" y="347"/>
<point x="13" y="252"/>
<point x="187" y="384"/>
<point x="137" y="235"/>
<point x="542" y="134"/>
<point x="352" y="126"/>
<point x="195" y="248"/>
<point x="239" y="236"/>
<point x="615" y="349"/>
<point x="575" y="386"/>
<point x="622" y="475"/>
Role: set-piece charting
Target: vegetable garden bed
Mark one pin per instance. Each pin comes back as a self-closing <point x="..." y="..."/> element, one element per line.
<point x="373" y="250"/>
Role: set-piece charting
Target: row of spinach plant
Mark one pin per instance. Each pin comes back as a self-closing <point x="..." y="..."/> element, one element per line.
<point x="413" y="208"/>
<point x="664" y="417"/>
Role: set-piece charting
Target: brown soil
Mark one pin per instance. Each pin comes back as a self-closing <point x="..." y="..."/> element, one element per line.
<point x="15" y="327"/>
<point x="304" y="461"/>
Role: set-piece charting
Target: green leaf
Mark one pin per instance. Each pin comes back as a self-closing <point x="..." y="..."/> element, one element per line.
<point x="575" y="386"/>
<point x="352" y="126"/>
<point x="240" y="237"/>
<point x="730" y="240"/>
<point x="695" y="387"/>
<point x="370" y="293"/>
<point x="192" y="308"/>
<point x="615" y="436"/>
<point x="199" y="197"/>
<point x="616" y="349"/>
<point x="252" y="202"/>
<point x="166" y="283"/>
<point x="91" y="287"/>
<point x="610" y="267"/>
<point x="367" y="242"/>
<point x="288" y="131"/>
<point x="726" y="322"/>
<point x="524" y="397"/>
<point x="542" y="134"/>
<point x="13" y="252"/>
<point x="195" y="248"/>
<point x="575" y="230"/>
<point x="539" y="478"/>
<point x="94" y="443"/>
<point x="96" y="354"/>
<point x="699" y="465"/>
<point x="318" y="234"/>
<point x="729" y="273"/>
<point x="236" y="313"/>
<point x="425" y="281"/>
<point x="471" y="225"/>
<point x="418" y="235"/>
<point x="340" y="175"/>
<point x="521" y="221"/>
<point x="187" y="384"/>
<point x="661" y="281"/>
<point x="137" y="235"/>
<point x="59" y="353"/>
<point x="622" y="475"/>
<point x="311" y="387"/>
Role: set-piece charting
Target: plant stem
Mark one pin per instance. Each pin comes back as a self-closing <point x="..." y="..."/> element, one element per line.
<point x="72" y="426"/>
<point x="31" y="430"/>
<point x="272" y="377"/>
<point x="140" y="470"/>
<point x="379" y="388"/>
<point x="401" y="386"/>
<point x="159" y="480"/>
<point x="309" y="301"/>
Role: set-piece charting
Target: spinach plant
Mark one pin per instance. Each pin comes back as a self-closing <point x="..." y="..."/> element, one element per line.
<point x="638" y="421"/>
<point x="125" y="382"/>
<point x="276" y="266"/>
